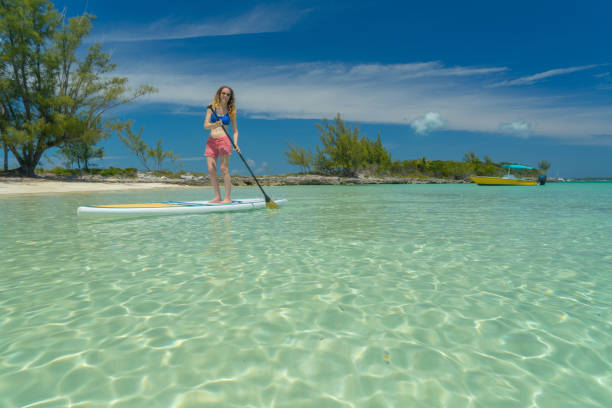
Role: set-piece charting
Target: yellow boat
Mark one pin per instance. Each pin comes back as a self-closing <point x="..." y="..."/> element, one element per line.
<point x="509" y="179"/>
<point x="502" y="181"/>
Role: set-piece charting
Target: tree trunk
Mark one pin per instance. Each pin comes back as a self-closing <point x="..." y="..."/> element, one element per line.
<point x="5" y="157"/>
<point x="28" y="170"/>
<point x="27" y="164"/>
<point x="4" y="142"/>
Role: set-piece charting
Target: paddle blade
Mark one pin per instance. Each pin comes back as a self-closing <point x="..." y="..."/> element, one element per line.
<point x="271" y="204"/>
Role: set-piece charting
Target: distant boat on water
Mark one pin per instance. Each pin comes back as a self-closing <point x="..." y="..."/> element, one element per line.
<point x="510" y="179"/>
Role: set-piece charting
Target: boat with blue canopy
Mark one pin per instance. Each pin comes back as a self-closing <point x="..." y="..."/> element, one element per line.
<point x="510" y="179"/>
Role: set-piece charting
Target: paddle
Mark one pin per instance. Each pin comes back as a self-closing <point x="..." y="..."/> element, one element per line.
<point x="269" y="202"/>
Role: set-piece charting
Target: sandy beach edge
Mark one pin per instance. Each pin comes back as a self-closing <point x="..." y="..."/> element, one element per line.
<point x="25" y="186"/>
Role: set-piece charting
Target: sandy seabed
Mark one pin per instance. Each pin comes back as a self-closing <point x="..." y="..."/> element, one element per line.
<point x="23" y="186"/>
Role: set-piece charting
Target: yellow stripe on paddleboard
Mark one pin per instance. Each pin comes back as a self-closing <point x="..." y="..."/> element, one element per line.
<point x="148" y="205"/>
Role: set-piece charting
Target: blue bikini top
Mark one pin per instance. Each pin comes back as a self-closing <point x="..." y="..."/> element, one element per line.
<point x="225" y="119"/>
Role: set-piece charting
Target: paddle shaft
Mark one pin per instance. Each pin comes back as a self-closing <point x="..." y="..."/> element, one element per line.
<point x="268" y="199"/>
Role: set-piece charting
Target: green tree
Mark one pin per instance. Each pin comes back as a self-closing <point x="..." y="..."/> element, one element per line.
<point x="52" y="97"/>
<point x="134" y="142"/>
<point x="422" y="164"/>
<point x="137" y="145"/>
<point x="376" y="157"/>
<point x="3" y="136"/>
<point x="486" y="168"/>
<point x="544" y="166"/>
<point x="471" y="157"/>
<point x="158" y="155"/>
<point x="321" y="163"/>
<point x="299" y="156"/>
<point x="81" y="153"/>
<point x="341" y="146"/>
<point x="344" y="151"/>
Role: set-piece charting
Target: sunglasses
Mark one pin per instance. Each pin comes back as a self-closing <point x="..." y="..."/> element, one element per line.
<point x="226" y="94"/>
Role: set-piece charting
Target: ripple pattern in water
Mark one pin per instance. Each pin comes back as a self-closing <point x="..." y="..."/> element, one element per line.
<point x="369" y="296"/>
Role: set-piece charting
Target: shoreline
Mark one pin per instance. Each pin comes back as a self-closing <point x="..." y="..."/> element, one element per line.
<point x="44" y="185"/>
<point x="40" y="186"/>
<point x="50" y="184"/>
<point x="13" y="185"/>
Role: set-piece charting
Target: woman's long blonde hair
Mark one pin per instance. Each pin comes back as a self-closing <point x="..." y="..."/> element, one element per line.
<point x="231" y="106"/>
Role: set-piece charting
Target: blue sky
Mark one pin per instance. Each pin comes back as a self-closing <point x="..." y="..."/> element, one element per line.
<point x="519" y="81"/>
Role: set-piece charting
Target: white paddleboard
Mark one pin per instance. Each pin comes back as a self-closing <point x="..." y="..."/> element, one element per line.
<point x="173" y="207"/>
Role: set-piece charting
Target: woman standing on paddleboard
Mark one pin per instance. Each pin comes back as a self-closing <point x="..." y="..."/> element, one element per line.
<point x="221" y="112"/>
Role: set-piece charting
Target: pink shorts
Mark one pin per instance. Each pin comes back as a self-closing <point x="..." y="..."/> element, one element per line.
<point x="218" y="146"/>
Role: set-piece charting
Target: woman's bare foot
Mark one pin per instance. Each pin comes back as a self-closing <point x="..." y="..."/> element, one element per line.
<point x="226" y="201"/>
<point x="215" y="201"/>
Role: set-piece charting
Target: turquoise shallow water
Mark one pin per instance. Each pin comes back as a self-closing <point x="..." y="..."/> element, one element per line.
<point x="366" y="296"/>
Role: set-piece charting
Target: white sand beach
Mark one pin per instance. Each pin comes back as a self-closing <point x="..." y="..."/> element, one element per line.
<point x="32" y="186"/>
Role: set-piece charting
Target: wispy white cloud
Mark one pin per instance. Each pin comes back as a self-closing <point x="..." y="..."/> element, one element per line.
<point x="310" y="90"/>
<point x="185" y="111"/>
<point x="427" y="123"/>
<point x="377" y="93"/>
<point x="527" y="80"/>
<point x="519" y="128"/>
<point x="264" y="168"/>
<point x="416" y="70"/>
<point x="606" y="81"/>
<point x="261" y="19"/>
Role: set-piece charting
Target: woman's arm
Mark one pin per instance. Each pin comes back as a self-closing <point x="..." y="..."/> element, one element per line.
<point x="208" y="125"/>
<point x="235" y="131"/>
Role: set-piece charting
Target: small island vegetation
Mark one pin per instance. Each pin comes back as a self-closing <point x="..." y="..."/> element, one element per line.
<point x="345" y="152"/>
